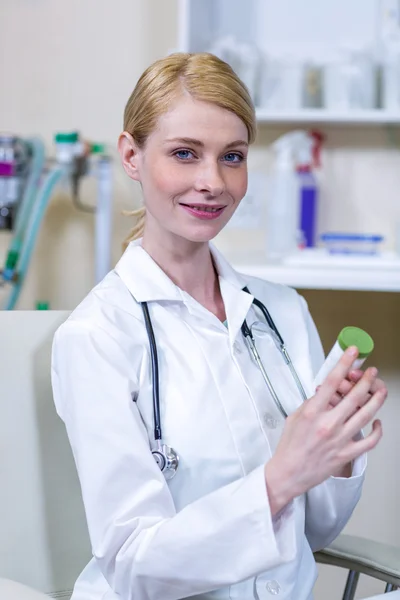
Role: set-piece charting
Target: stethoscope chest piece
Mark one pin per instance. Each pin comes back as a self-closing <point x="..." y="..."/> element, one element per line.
<point x="167" y="460"/>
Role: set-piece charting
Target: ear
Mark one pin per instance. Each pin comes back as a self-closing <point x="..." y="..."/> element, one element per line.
<point x="130" y="155"/>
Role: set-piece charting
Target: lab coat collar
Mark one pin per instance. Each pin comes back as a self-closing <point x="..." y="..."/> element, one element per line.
<point x="147" y="282"/>
<point x="237" y="302"/>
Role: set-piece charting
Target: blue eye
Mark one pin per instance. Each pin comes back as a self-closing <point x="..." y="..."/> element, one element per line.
<point x="184" y="154"/>
<point x="233" y="157"/>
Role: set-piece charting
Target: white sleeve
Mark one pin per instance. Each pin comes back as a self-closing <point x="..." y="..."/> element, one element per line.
<point x="329" y="505"/>
<point x="143" y="547"/>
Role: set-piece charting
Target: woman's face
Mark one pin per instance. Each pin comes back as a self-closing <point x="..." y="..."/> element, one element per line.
<point x="193" y="169"/>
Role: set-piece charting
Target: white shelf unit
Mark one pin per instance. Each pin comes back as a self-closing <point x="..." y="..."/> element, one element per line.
<point x="309" y="28"/>
<point x="332" y="273"/>
<point x="314" y="27"/>
<point x="322" y="116"/>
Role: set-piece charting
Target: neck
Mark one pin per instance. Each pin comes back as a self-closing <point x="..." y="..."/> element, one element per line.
<point x="189" y="265"/>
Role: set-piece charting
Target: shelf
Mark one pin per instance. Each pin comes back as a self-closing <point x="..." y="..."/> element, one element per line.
<point x="377" y="274"/>
<point x="359" y="117"/>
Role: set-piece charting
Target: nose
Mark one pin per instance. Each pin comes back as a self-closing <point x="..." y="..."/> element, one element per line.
<point x="209" y="180"/>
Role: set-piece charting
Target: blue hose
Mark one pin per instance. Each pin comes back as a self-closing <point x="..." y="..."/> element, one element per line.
<point x="35" y="222"/>
<point x="28" y="199"/>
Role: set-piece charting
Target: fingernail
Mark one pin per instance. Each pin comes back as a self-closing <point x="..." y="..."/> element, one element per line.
<point x="374" y="371"/>
<point x="353" y="350"/>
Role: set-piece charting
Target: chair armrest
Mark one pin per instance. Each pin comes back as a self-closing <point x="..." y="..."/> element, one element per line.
<point x="11" y="590"/>
<point x="354" y="553"/>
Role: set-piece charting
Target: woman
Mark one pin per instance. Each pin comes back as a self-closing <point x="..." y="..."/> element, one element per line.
<point x="254" y="493"/>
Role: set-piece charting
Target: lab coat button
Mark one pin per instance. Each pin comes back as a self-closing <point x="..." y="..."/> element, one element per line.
<point x="270" y="421"/>
<point x="273" y="587"/>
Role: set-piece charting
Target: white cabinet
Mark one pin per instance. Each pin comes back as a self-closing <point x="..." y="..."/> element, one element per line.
<point x="331" y="44"/>
<point x="324" y="272"/>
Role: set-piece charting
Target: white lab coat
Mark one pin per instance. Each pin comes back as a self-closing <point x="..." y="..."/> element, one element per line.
<point x="209" y="528"/>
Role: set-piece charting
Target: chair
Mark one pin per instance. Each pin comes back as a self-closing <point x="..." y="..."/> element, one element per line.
<point x="11" y="590"/>
<point x="360" y="555"/>
<point x="43" y="534"/>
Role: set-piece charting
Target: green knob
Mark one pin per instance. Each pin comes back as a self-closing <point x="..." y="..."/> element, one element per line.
<point x="42" y="305"/>
<point x="67" y="138"/>
<point x="98" y="148"/>
<point x="12" y="259"/>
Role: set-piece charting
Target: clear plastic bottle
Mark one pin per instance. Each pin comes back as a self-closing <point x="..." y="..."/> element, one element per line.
<point x="349" y="336"/>
<point x="283" y="201"/>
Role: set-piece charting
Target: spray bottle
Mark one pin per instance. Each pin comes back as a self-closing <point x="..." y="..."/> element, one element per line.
<point x="283" y="214"/>
<point x="308" y="160"/>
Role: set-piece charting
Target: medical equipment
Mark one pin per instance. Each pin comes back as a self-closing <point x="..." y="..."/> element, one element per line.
<point x="349" y="336"/>
<point x="165" y="456"/>
<point x="27" y="181"/>
<point x="14" y="157"/>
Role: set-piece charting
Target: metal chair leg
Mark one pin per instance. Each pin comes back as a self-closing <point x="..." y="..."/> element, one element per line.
<point x="390" y="587"/>
<point x="351" y="585"/>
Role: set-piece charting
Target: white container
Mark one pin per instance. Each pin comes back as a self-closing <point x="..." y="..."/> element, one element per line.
<point x="283" y="203"/>
<point x="349" y="82"/>
<point x="281" y="84"/>
<point x="226" y="48"/>
<point x="391" y="80"/>
<point x="349" y="336"/>
<point x="312" y="85"/>
<point x="249" y="64"/>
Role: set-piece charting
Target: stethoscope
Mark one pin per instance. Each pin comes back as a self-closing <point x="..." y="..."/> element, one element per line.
<point x="165" y="456"/>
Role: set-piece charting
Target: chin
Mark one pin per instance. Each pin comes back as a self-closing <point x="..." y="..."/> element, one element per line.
<point x="201" y="234"/>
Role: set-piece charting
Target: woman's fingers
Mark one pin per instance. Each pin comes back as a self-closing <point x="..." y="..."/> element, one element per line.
<point x="365" y="444"/>
<point x="365" y="414"/>
<point x="336" y="398"/>
<point x="357" y="396"/>
<point x="347" y="385"/>
<point x="355" y="375"/>
<point x="332" y="382"/>
<point x="378" y="384"/>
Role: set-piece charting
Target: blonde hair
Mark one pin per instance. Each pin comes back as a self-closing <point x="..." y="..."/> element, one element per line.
<point x="205" y="77"/>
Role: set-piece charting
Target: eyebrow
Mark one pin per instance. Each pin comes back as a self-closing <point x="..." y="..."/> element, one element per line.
<point x="194" y="142"/>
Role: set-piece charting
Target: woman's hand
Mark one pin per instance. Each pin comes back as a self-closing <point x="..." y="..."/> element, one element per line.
<point x="318" y="439"/>
<point x="348" y="383"/>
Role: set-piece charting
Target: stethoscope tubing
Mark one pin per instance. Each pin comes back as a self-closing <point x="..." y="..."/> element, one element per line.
<point x="249" y="337"/>
<point x="154" y="374"/>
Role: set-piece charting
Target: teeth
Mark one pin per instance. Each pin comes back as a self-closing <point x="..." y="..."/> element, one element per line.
<point x="205" y="208"/>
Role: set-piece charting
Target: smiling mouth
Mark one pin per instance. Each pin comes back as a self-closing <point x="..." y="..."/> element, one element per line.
<point x="202" y="208"/>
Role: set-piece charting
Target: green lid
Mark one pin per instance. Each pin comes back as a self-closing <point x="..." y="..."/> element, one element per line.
<point x="42" y="306"/>
<point x="354" y="336"/>
<point x="98" y="148"/>
<point x="66" y="138"/>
